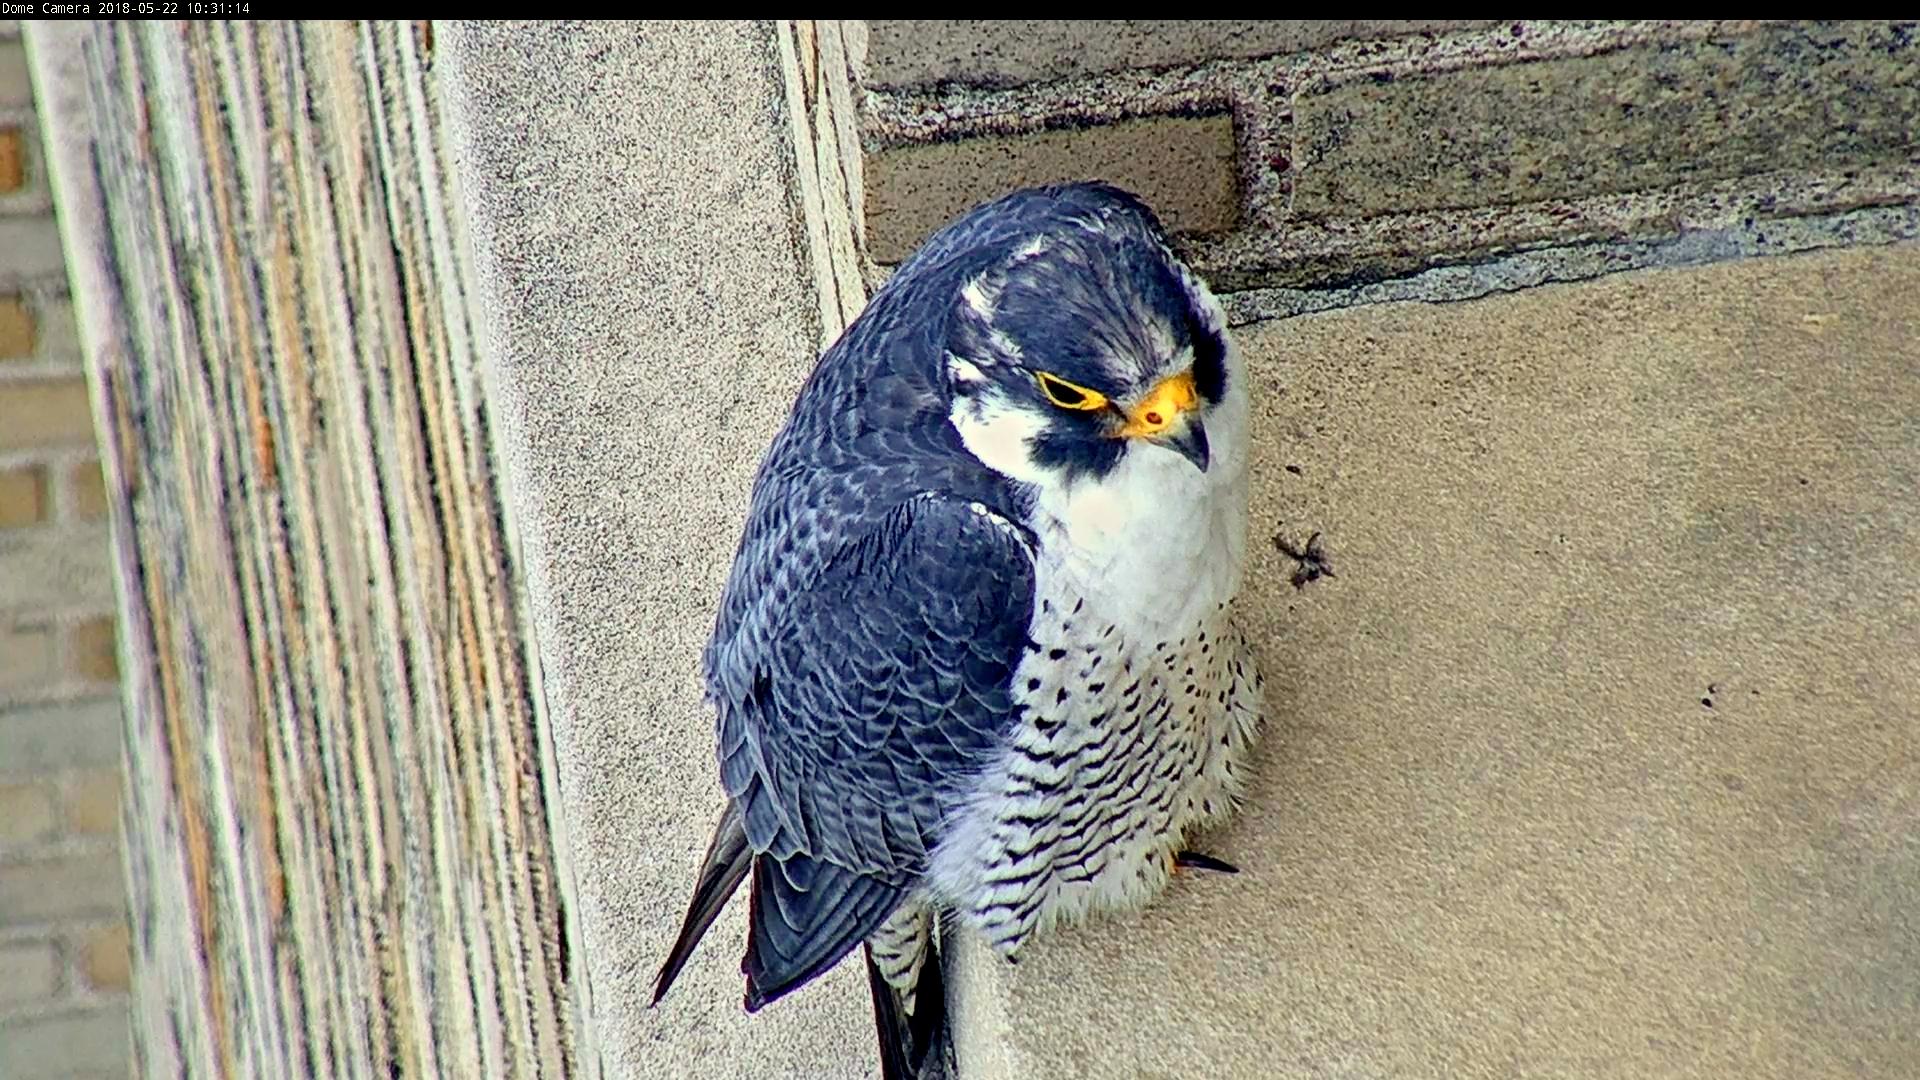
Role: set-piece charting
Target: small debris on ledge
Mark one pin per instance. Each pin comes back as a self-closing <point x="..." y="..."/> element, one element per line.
<point x="1311" y="557"/>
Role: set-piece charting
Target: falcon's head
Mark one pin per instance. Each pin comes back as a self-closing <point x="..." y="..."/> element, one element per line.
<point x="1083" y="341"/>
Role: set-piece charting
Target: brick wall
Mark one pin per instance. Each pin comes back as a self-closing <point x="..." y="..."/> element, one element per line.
<point x="1302" y="155"/>
<point x="63" y="933"/>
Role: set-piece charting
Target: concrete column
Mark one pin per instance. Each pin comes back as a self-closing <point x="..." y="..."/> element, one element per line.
<point x="337" y="823"/>
<point x="662" y="244"/>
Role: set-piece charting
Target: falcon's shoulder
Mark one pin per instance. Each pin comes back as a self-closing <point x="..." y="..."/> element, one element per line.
<point x="879" y="686"/>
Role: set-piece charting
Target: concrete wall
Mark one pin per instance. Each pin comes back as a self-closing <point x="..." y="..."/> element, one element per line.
<point x="63" y="931"/>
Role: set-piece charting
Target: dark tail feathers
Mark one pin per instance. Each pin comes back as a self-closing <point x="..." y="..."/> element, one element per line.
<point x="913" y="1046"/>
<point x="728" y="858"/>
<point x="916" y="1046"/>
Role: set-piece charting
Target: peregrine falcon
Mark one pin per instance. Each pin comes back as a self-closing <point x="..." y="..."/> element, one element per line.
<point x="975" y="659"/>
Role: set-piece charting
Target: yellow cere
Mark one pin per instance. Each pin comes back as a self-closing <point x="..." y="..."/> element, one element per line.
<point x="1162" y="406"/>
<point x="1069" y="395"/>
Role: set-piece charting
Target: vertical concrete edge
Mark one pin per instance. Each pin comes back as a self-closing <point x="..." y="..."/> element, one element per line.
<point x="655" y="274"/>
<point x="484" y="325"/>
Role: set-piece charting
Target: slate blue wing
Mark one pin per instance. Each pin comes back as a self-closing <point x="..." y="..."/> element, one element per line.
<point x="881" y="691"/>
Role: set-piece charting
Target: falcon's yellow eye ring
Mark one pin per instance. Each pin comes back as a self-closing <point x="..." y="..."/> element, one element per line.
<point x="1069" y="395"/>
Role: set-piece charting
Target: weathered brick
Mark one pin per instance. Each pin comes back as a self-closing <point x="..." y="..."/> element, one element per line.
<point x="23" y="495"/>
<point x="69" y="566"/>
<point x="26" y="812"/>
<point x="1182" y="165"/>
<point x="1008" y="52"/>
<point x="45" y="412"/>
<point x="97" y="1038"/>
<point x="59" y="334"/>
<point x="33" y="249"/>
<point x="75" y="885"/>
<point x="15" y="87"/>
<point x="13" y="159"/>
<point x="87" y="489"/>
<point x="29" y="971"/>
<point x="16" y="328"/>
<point x="93" y="802"/>
<point x="1782" y="98"/>
<point x="106" y="959"/>
<point x="93" y="650"/>
<point x="60" y="735"/>
<point x="26" y="657"/>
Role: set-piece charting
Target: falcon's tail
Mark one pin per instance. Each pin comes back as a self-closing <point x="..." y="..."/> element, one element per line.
<point x="913" y="1033"/>
<point x="728" y="858"/>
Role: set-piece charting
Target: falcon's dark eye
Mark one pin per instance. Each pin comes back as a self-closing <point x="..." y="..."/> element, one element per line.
<point x="1069" y="395"/>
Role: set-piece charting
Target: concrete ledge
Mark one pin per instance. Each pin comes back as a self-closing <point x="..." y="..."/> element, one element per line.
<point x="1598" y="756"/>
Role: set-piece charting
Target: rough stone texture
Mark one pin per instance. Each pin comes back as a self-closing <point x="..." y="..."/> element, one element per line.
<point x="336" y="818"/>
<point x="907" y="53"/>
<point x="1598" y="757"/>
<point x="1498" y="831"/>
<point x="1184" y="166"/>
<point x="1366" y="159"/>
<point x="654" y="315"/>
<point x="1781" y="99"/>
<point x="817" y="64"/>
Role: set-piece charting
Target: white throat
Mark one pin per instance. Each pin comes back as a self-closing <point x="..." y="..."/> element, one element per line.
<point x="1155" y="544"/>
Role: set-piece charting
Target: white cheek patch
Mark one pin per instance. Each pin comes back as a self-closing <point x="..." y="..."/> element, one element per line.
<point x="963" y="371"/>
<point x="1001" y="436"/>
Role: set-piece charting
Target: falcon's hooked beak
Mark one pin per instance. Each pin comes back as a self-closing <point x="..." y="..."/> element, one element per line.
<point x="1169" y="416"/>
